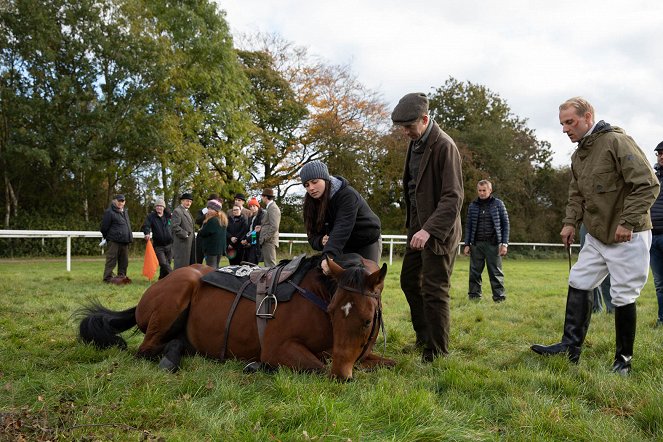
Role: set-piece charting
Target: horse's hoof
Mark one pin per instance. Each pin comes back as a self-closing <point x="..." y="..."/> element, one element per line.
<point x="252" y="367"/>
<point x="167" y="365"/>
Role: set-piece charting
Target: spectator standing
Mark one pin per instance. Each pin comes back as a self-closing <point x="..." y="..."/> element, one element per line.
<point x="240" y="199"/>
<point x="213" y="233"/>
<point x="182" y="226"/>
<point x="200" y="217"/>
<point x="269" y="231"/>
<point x="486" y="241"/>
<point x="656" y="251"/>
<point x="116" y="230"/>
<point x="237" y="230"/>
<point x="157" y="227"/>
<point x="251" y="241"/>
<point x="337" y="218"/>
<point x="611" y="191"/>
<point x="433" y="191"/>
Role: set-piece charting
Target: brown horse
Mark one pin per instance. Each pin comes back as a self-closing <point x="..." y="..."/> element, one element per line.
<point x="180" y="314"/>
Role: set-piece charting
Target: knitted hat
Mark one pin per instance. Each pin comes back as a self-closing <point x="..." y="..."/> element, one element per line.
<point x="254" y="202"/>
<point x="410" y="108"/>
<point x="160" y="202"/>
<point x="659" y="147"/>
<point x="315" y="170"/>
<point x="214" y="205"/>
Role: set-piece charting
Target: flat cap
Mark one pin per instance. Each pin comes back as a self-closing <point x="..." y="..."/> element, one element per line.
<point x="659" y="147"/>
<point x="410" y="108"/>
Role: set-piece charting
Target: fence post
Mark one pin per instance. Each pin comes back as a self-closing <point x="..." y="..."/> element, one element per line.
<point x="69" y="253"/>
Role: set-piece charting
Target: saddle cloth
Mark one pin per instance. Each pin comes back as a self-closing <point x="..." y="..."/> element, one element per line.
<point x="231" y="278"/>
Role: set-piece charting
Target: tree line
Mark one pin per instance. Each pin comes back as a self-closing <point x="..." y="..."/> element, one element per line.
<point x="155" y="97"/>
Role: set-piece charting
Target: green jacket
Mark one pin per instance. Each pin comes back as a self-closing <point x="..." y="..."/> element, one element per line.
<point x="213" y="238"/>
<point x="612" y="184"/>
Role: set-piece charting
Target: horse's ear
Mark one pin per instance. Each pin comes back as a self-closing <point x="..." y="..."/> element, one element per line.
<point x="378" y="276"/>
<point x="335" y="269"/>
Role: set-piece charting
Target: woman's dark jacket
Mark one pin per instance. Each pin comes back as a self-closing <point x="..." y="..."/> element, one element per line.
<point x="159" y="228"/>
<point x="115" y="225"/>
<point x="213" y="237"/>
<point x="349" y="222"/>
<point x="237" y="227"/>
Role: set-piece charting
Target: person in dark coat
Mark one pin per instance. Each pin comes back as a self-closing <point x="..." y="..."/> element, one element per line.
<point x="486" y="241"/>
<point x="116" y="230"/>
<point x="237" y="230"/>
<point x="433" y="191"/>
<point x="252" y="240"/>
<point x="157" y="227"/>
<point x="213" y="233"/>
<point x="183" y="236"/>
<point x="337" y="218"/>
<point x="200" y="217"/>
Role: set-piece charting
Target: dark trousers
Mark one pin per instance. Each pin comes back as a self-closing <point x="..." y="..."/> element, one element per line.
<point x="426" y="280"/>
<point x="213" y="260"/>
<point x="164" y="256"/>
<point x="485" y="253"/>
<point x="116" y="253"/>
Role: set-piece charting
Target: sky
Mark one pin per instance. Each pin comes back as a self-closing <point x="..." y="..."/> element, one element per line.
<point x="533" y="54"/>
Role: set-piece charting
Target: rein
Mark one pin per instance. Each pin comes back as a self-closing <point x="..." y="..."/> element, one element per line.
<point x="377" y="324"/>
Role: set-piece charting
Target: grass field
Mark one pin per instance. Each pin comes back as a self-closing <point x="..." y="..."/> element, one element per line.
<point x="491" y="387"/>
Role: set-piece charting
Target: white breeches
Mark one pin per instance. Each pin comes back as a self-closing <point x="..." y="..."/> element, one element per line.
<point x="627" y="263"/>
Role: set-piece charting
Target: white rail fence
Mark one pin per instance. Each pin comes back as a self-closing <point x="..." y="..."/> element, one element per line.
<point x="284" y="238"/>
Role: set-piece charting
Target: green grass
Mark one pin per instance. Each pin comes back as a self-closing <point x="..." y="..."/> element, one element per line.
<point x="491" y="387"/>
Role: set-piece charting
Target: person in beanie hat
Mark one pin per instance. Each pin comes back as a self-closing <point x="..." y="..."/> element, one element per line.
<point x="183" y="236"/>
<point x="269" y="230"/>
<point x="116" y="230"/>
<point x="337" y="218"/>
<point x="433" y="191"/>
<point x="213" y="233"/>
<point x="611" y="191"/>
<point x="656" y="250"/>
<point x="200" y="217"/>
<point x="157" y="227"/>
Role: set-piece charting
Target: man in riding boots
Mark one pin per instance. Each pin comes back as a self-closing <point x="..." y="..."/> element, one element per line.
<point x="611" y="191"/>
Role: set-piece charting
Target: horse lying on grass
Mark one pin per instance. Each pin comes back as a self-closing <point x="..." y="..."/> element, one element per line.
<point x="338" y="315"/>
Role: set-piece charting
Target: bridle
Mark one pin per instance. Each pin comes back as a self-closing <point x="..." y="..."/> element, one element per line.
<point x="377" y="323"/>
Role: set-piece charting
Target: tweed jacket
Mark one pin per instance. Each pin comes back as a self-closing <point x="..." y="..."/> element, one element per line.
<point x="269" y="229"/>
<point x="438" y="192"/>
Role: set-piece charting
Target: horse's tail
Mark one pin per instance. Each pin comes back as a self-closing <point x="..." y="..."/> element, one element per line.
<point x="101" y="326"/>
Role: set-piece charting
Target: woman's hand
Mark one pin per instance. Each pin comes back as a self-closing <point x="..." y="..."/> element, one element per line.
<point x="324" y="241"/>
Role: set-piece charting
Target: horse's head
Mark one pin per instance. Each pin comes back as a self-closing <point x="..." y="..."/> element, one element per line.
<point x="355" y="312"/>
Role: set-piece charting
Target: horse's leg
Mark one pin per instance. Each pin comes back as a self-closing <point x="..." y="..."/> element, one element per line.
<point x="372" y="361"/>
<point x="172" y="355"/>
<point x="292" y="354"/>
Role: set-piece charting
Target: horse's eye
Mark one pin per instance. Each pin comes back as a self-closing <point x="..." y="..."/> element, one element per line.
<point x="367" y="323"/>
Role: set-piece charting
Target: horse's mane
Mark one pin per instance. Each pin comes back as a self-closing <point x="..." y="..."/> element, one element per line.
<point x="353" y="276"/>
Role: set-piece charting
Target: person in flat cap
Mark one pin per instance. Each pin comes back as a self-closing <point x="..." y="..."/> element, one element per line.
<point x="269" y="230"/>
<point x="656" y="250"/>
<point x="116" y="231"/>
<point x="433" y="190"/>
<point x="183" y="237"/>
<point x="338" y="219"/>
<point x="157" y="227"/>
<point x="240" y="200"/>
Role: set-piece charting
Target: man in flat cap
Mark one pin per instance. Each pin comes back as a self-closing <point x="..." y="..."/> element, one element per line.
<point x="433" y="190"/>
<point x="240" y="200"/>
<point x="116" y="230"/>
<point x="182" y="226"/>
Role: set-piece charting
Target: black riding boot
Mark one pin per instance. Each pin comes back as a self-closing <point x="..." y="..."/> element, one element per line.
<point x="578" y="313"/>
<point x="625" y="319"/>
